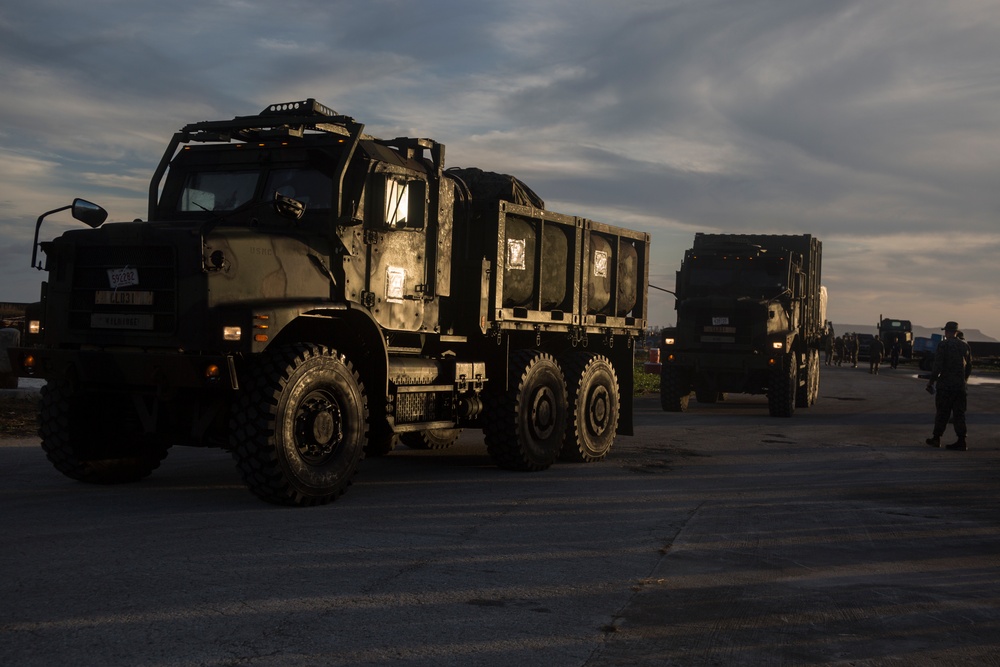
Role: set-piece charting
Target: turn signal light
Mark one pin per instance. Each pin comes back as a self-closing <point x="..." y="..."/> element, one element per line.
<point x="213" y="373"/>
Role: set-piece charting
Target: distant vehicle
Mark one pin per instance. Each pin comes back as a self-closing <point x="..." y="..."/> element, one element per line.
<point x="864" y="345"/>
<point x="751" y="316"/>
<point x="890" y="330"/>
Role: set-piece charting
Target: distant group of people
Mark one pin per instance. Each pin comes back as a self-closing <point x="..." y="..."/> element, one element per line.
<point x="841" y="348"/>
<point x="948" y="380"/>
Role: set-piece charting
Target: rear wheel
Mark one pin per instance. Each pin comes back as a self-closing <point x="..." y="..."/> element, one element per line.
<point x="675" y="389"/>
<point x="299" y="427"/>
<point x="435" y="438"/>
<point x="594" y="403"/>
<point x="95" y="437"/>
<point x="526" y="424"/>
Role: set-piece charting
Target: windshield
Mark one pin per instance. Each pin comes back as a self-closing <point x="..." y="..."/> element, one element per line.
<point x="221" y="191"/>
<point x="762" y="279"/>
<point x="217" y="190"/>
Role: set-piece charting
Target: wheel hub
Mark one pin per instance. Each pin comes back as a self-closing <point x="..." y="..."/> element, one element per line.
<point x="543" y="413"/>
<point x="318" y="428"/>
<point x="598" y="410"/>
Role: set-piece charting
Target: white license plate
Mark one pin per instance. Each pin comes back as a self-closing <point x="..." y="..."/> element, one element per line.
<point x="720" y="321"/>
<point x="120" y="321"/>
<point x="123" y="298"/>
<point x="124" y="277"/>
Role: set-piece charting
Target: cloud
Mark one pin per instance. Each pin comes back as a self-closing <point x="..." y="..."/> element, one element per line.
<point x="871" y="125"/>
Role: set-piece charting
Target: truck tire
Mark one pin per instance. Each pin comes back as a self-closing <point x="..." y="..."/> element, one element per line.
<point x="782" y="389"/>
<point x="675" y="389"/>
<point x="298" y="429"/>
<point x="526" y="424"/>
<point x="91" y="438"/>
<point x="432" y="438"/>
<point x="807" y="391"/>
<point x="814" y="377"/>
<point x="594" y="407"/>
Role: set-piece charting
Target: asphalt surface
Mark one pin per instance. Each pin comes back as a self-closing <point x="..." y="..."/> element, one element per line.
<point x="719" y="536"/>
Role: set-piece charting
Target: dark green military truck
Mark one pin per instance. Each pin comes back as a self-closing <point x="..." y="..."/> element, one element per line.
<point x="304" y="294"/>
<point x="750" y="319"/>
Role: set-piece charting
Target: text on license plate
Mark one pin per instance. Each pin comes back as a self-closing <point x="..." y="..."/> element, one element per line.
<point x="121" y="321"/>
<point x="123" y="298"/>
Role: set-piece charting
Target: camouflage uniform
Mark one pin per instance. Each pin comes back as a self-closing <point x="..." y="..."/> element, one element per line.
<point x="875" y="353"/>
<point x="952" y="367"/>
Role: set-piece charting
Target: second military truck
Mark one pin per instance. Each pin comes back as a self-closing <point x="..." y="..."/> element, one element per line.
<point x="750" y="319"/>
<point x="303" y="294"/>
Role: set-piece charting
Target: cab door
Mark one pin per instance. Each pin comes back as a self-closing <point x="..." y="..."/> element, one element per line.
<point x="396" y="237"/>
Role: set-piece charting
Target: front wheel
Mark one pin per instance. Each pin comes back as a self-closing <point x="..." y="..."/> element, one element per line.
<point x="299" y="428"/>
<point x="784" y="383"/>
<point x="96" y="438"/>
<point x="675" y="389"/>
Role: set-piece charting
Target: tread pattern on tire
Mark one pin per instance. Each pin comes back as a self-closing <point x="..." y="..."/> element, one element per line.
<point x="576" y="366"/>
<point x="253" y="420"/>
<point x="503" y="413"/>
<point x="674" y="392"/>
<point x="62" y="426"/>
<point x="782" y="389"/>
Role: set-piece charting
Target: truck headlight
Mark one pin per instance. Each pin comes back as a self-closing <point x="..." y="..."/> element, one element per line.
<point x="668" y="341"/>
<point x="778" y="345"/>
<point x="34" y="327"/>
<point x="232" y="333"/>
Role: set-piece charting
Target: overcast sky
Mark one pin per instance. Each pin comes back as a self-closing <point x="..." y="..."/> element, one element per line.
<point x="873" y="125"/>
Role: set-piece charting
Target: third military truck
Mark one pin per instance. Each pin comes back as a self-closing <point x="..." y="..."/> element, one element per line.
<point x="750" y="319"/>
<point x="304" y="294"/>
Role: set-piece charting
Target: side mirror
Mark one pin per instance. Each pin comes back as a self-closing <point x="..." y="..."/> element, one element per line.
<point x="86" y="212"/>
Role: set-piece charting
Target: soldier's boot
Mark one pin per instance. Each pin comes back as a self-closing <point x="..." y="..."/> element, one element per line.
<point x="958" y="445"/>
<point x="934" y="441"/>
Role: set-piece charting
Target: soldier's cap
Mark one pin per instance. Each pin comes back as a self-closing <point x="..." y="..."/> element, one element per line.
<point x="950" y="326"/>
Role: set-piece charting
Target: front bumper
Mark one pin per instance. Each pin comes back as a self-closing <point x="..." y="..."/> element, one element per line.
<point x="128" y="368"/>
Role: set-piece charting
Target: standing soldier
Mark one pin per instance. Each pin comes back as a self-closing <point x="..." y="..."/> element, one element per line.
<point x="894" y="353"/>
<point x="839" y="345"/>
<point x="875" y="353"/>
<point x="855" y="348"/>
<point x="952" y="367"/>
<point x="828" y="343"/>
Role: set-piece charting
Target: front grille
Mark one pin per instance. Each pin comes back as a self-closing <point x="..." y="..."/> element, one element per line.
<point x="157" y="276"/>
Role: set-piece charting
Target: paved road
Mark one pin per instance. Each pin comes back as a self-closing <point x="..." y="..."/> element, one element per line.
<point x="719" y="536"/>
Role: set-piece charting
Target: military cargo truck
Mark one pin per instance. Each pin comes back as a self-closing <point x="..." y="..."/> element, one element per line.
<point x="304" y="294"/>
<point x="750" y="319"/>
